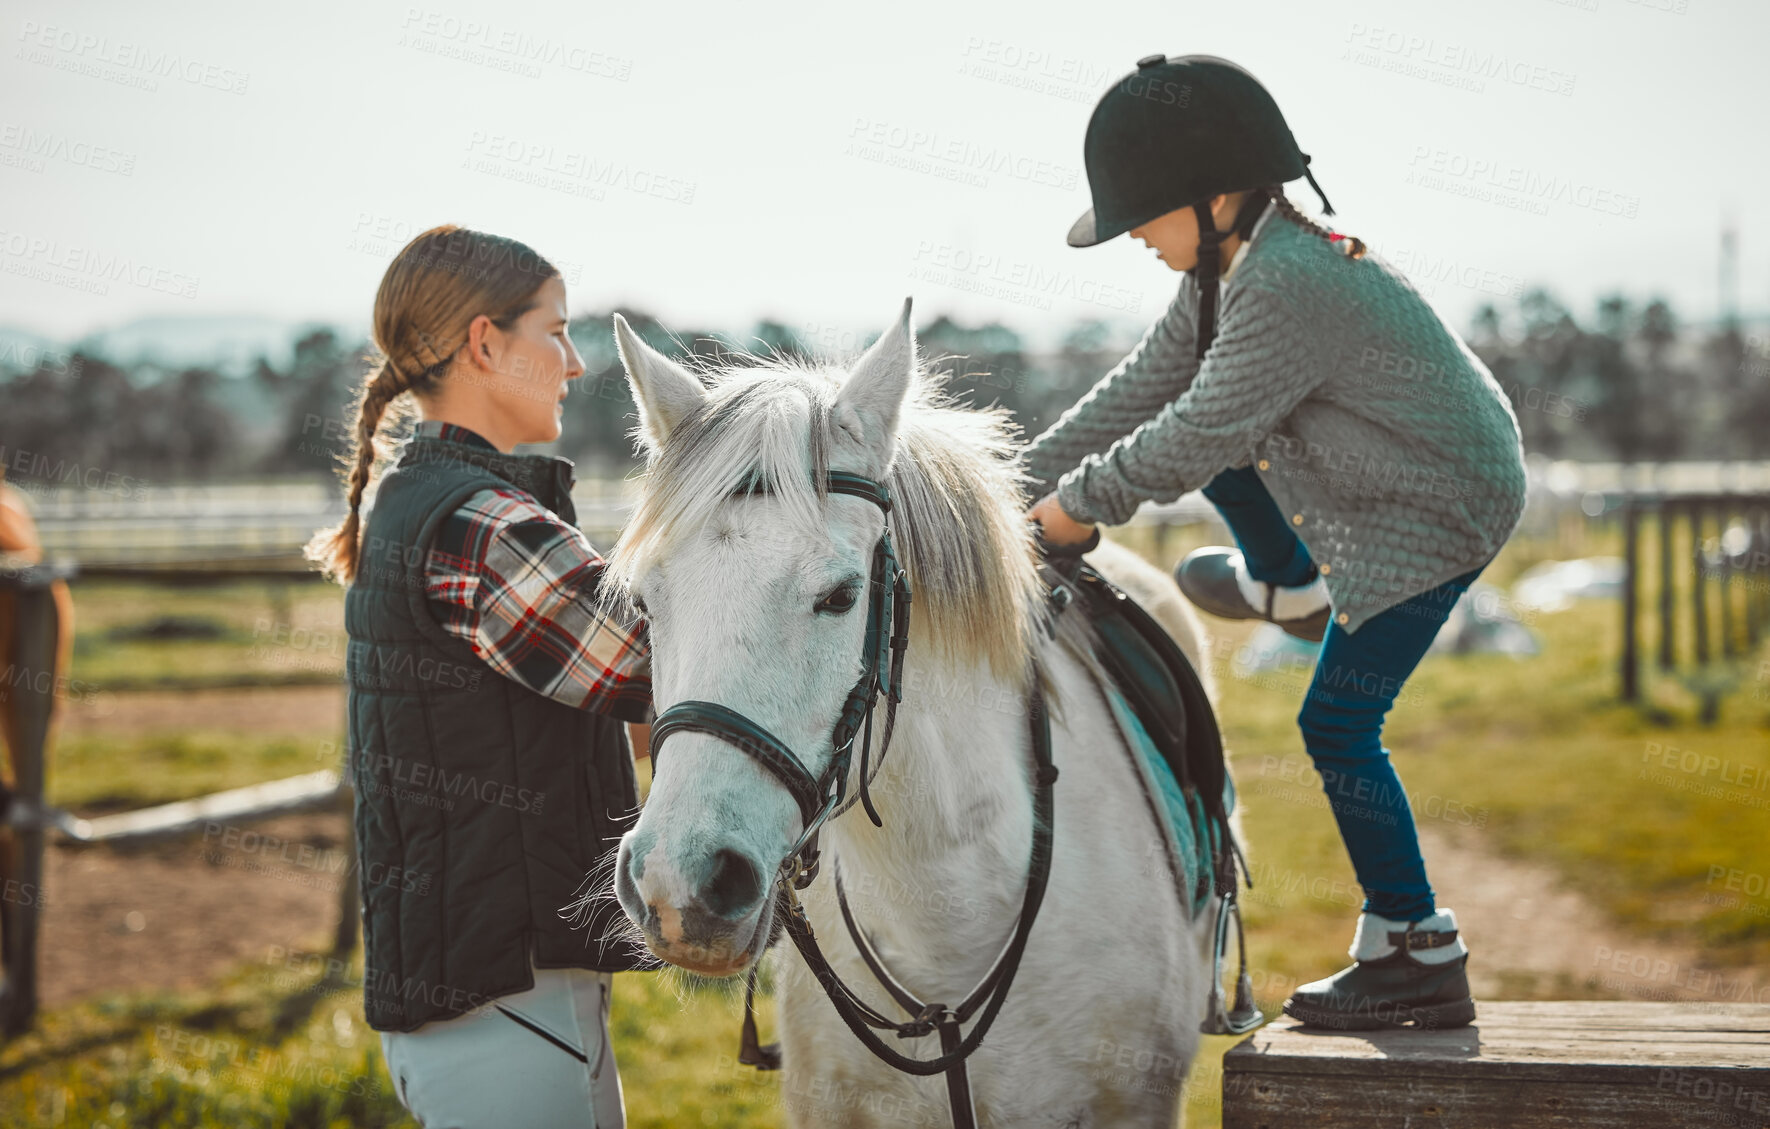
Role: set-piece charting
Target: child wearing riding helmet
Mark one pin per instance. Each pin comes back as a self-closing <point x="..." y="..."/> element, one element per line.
<point x="1366" y="462"/>
<point x="486" y="695"/>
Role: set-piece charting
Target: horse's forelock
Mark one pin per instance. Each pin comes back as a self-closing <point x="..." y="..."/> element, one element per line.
<point x="751" y="431"/>
<point x="955" y="488"/>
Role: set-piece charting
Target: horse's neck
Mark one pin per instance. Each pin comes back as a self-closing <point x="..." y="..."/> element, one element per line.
<point x="953" y="793"/>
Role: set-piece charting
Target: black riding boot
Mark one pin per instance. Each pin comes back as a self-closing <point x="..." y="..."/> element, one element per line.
<point x="1216" y="579"/>
<point x="1404" y="972"/>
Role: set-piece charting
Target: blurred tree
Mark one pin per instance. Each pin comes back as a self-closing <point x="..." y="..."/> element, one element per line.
<point x="982" y="366"/>
<point x="1631" y="384"/>
<point x="324" y="379"/>
<point x="773" y="338"/>
<point x="1085" y="355"/>
<point x="1671" y="418"/>
<point x="197" y="436"/>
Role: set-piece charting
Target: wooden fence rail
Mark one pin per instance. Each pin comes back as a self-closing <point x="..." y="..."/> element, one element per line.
<point x="29" y="816"/>
<point x="1728" y="547"/>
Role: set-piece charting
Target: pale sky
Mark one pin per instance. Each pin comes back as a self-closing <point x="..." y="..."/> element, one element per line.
<point x="715" y="163"/>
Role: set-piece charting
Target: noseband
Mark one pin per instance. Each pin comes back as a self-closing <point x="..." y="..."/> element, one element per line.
<point x="882" y="654"/>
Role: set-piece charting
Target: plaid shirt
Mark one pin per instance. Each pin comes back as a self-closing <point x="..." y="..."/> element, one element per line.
<point x="517" y="582"/>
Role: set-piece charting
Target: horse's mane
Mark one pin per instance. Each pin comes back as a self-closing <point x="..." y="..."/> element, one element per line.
<point x="957" y="518"/>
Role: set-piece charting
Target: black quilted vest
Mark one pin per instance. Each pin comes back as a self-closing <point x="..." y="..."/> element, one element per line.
<point x="481" y="806"/>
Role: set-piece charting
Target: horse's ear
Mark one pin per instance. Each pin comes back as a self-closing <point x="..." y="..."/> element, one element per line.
<point x="664" y="391"/>
<point x="871" y="399"/>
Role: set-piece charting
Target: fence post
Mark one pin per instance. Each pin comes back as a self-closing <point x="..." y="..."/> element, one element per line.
<point x="1756" y="576"/>
<point x="1631" y="690"/>
<point x="344" y="939"/>
<point x="1724" y="511"/>
<point x="35" y="636"/>
<point x="1667" y="608"/>
<point x="350" y="889"/>
<point x="1698" y="583"/>
<point x="1757" y="599"/>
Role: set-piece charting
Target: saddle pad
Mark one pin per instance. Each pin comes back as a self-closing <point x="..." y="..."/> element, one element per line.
<point x="1192" y="836"/>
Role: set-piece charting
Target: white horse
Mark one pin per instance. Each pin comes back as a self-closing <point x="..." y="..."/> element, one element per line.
<point x="749" y="598"/>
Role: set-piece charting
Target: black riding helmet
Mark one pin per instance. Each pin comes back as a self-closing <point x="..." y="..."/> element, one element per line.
<point x="1177" y="133"/>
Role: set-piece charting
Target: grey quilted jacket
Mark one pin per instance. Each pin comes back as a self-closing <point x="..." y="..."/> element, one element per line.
<point x="1384" y="440"/>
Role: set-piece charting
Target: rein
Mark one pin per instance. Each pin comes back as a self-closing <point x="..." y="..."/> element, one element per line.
<point x="985" y="1000"/>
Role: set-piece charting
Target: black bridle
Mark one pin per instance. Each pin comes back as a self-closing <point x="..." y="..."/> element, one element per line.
<point x="882" y="653"/>
<point x="821" y="798"/>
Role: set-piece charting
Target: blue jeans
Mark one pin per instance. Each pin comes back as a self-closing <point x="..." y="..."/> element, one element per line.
<point x="1357" y="679"/>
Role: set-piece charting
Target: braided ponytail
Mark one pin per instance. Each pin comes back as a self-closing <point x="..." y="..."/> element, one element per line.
<point x="1289" y="211"/>
<point x="335" y="549"/>
<point x="432" y="291"/>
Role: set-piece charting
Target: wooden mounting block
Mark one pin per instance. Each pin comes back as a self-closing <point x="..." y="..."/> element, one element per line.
<point x="1519" y="1066"/>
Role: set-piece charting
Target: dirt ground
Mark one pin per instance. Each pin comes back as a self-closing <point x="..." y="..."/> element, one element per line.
<point x="291" y="708"/>
<point x="1531" y="936"/>
<point x="177" y="914"/>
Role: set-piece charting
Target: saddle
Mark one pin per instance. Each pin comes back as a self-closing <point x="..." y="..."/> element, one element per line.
<point x="1167" y="698"/>
<point x="1161" y="688"/>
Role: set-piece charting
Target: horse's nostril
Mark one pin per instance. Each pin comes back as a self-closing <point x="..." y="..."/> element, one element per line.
<point x="626" y="885"/>
<point x="734" y="886"/>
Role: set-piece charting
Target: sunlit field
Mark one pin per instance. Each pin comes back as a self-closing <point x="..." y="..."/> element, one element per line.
<point x="1530" y="761"/>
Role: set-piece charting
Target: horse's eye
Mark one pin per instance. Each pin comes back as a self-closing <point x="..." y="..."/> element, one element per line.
<point x="639" y="605"/>
<point x="839" y="601"/>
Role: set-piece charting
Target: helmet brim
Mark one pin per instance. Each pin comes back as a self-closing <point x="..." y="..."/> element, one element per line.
<point x="1085" y="232"/>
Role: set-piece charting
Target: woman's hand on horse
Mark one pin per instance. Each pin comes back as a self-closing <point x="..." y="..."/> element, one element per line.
<point x="1056" y="526"/>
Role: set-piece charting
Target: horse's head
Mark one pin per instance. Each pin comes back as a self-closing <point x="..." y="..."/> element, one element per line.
<point x="756" y="601"/>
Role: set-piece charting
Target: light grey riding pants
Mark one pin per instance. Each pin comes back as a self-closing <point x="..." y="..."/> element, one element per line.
<point x="539" y="1059"/>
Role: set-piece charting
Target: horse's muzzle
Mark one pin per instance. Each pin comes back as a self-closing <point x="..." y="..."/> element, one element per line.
<point x="713" y="922"/>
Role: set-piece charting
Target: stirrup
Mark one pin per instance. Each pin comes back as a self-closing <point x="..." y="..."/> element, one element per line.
<point x="1243" y="1016"/>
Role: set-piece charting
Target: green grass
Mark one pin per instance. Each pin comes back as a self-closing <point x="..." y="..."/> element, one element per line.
<point x="1538" y="759"/>
<point x="103" y="771"/>
<point x="255" y="1049"/>
<point x="267" y="1046"/>
<point x="246" y="633"/>
<point x="1575" y="777"/>
<point x="1535" y="754"/>
<point x="150" y="637"/>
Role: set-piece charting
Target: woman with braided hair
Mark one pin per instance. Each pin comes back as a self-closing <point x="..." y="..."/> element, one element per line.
<point x="1366" y="462"/>
<point x="486" y="695"/>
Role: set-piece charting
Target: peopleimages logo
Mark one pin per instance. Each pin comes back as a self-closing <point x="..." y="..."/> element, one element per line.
<point x="129" y="64"/>
<point x="1019" y="281"/>
<point x="1378" y="45"/>
<point x="33" y="470"/>
<point x="504" y="48"/>
<point x="85" y="268"/>
<point x="34" y="146"/>
<point x="1513" y="186"/>
<point x="575" y="172"/>
<point x="931" y="151"/>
